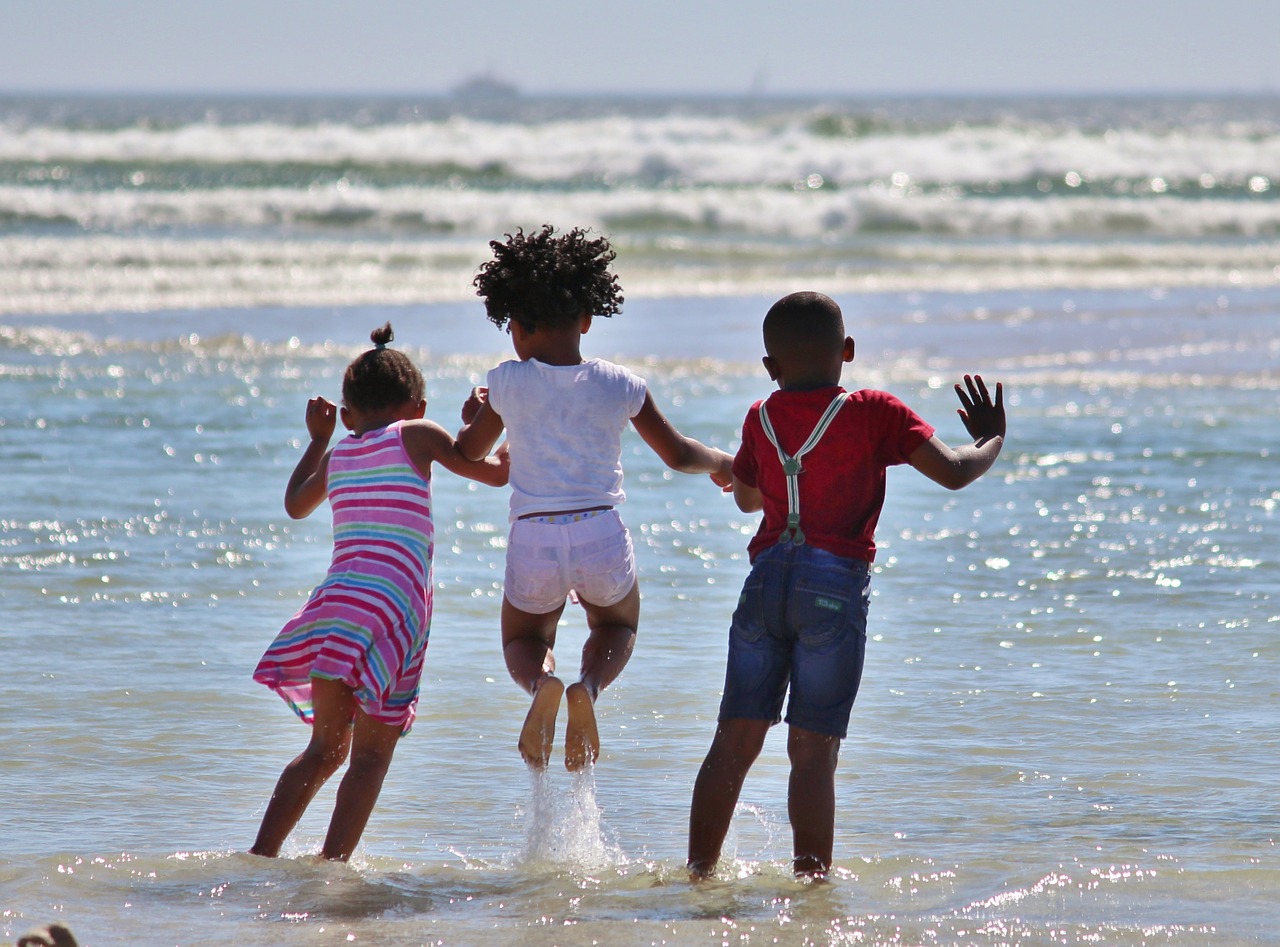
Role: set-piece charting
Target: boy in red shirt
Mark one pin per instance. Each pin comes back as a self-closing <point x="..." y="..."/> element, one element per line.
<point x="813" y="457"/>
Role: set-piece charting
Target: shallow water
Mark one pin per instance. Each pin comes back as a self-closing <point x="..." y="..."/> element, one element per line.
<point x="1066" y="732"/>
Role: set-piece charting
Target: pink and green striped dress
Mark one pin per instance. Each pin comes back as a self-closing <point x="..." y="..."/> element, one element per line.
<point x="367" y="623"/>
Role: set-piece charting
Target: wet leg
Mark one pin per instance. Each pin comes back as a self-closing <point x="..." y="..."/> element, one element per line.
<point x="734" y="748"/>
<point x="610" y="641"/>
<point x="334" y="707"/>
<point x="527" y="643"/>
<point x="811" y="799"/>
<point x="372" y="747"/>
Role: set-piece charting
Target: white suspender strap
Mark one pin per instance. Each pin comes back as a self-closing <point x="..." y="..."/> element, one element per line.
<point x="791" y="465"/>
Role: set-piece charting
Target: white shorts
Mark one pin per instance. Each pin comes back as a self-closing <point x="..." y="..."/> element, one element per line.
<point x="545" y="561"/>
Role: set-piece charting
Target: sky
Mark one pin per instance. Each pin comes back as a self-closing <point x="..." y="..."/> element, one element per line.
<point x="711" y="47"/>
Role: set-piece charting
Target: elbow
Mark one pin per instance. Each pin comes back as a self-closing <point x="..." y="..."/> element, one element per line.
<point x="462" y="446"/>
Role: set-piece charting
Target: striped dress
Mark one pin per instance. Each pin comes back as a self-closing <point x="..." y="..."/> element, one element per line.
<point x="367" y="623"/>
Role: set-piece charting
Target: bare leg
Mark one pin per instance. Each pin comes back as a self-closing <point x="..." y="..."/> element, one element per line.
<point x="811" y="799"/>
<point x="372" y="747"/>
<point x="735" y="747"/>
<point x="538" y="734"/>
<point x="527" y="642"/>
<point x="610" y="641"/>
<point x="330" y="741"/>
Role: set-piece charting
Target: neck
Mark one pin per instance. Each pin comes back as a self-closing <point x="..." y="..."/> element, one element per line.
<point x="558" y="346"/>
<point x="808" y="385"/>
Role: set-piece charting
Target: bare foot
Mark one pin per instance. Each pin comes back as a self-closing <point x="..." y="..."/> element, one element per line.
<point x="539" y="730"/>
<point x="581" y="738"/>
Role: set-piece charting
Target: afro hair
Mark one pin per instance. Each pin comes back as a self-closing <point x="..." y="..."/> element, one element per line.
<point x="548" y="279"/>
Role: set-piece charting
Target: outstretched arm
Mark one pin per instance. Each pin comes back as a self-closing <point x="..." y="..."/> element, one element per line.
<point x="984" y="419"/>
<point x="309" y="484"/>
<point x="679" y="452"/>
<point x="425" y="441"/>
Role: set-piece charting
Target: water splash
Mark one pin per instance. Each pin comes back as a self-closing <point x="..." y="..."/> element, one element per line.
<point x="567" y="829"/>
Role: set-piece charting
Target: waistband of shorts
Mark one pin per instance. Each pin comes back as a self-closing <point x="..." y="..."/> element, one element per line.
<point x="562" y="519"/>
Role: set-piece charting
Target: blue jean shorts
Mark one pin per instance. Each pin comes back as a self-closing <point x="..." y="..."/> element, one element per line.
<point x="801" y="623"/>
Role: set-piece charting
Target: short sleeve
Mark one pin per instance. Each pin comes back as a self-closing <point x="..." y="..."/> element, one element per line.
<point x="904" y="430"/>
<point x="745" y="465"/>
<point x="497" y="383"/>
<point x="637" y="391"/>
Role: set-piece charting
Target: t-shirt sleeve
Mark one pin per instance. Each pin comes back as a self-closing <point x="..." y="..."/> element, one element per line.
<point x="745" y="464"/>
<point x="497" y="386"/>
<point x="637" y="390"/>
<point x="903" y="429"/>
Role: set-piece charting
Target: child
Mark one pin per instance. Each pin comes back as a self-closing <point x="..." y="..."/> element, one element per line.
<point x="564" y="418"/>
<point x="801" y="619"/>
<point x="349" y="662"/>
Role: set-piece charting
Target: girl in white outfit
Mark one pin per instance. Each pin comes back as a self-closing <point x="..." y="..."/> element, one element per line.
<point x="564" y="417"/>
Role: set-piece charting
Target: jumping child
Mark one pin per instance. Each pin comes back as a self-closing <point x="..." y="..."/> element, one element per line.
<point x="813" y="457"/>
<point x="350" y="660"/>
<point x="564" y="417"/>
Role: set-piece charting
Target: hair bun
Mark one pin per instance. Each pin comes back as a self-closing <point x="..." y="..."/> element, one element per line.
<point x="382" y="335"/>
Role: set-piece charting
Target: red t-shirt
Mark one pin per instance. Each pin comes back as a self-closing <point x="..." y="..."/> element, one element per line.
<point x="843" y="478"/>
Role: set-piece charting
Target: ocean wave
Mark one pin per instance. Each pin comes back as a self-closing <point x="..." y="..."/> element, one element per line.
<point x="345" y="209"/>
<point x="621" y="150"/>
<point x="141" y="273"/>
<point x="149" y="205"/>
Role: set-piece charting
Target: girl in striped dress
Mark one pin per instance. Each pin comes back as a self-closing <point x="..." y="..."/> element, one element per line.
<point x="349" y="661"/>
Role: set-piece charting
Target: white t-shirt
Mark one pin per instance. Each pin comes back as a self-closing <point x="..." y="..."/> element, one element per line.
<point x="564" y="424"/>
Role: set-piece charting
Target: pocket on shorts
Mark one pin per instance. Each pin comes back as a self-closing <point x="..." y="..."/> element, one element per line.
<point x="606" y="572"/>
<point x="535" y="585"/>
<point x="748" y="617"/>
<point x="826" y="602"/>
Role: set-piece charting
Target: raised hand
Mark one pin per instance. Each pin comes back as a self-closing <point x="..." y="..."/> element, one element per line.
<point x="322" y="418"/>
<point x="982" y="417"/>
<point x="479" y="396"/>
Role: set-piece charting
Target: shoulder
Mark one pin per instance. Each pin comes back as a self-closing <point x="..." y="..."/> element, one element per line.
<point x="612" y="370"/>
<point x="881" y="400"/>
<point x="622" y="384"/>
<point x="752" y="423"/>
<point x="507" y="369"/>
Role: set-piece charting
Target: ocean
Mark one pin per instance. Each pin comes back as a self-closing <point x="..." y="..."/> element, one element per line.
<point x="1067" y="729"/>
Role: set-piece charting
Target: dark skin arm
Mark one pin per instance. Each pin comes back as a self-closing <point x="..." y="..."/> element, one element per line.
<point x="679" y="452"/>
<point x="953" y="468"/>
<point x="308" y="485"/>
<point x="984" y="419"/>
<point x="428" y="442"/>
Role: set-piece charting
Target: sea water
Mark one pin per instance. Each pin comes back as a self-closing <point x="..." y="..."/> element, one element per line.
<point x="1067" y="726"/>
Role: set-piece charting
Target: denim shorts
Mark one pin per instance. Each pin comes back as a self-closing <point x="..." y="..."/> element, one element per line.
<point x="801" y="622"/>
<point x="547" y="560"/>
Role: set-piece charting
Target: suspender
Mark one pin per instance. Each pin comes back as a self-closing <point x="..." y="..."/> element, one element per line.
<point x="791" y="465"/>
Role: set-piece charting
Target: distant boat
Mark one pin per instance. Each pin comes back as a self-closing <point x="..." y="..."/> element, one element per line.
<point x="485" y="88"/>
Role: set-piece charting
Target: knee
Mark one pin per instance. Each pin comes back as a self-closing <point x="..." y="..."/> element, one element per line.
<point x="810" y="751"/>
<point x="371" y="762"/>
<point x="326" y="758"/>
<point x="736" y="745"/>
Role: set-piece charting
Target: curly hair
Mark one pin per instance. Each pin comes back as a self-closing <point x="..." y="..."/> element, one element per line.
<point x="381" y="377"/>
<point x="545" y="279"/>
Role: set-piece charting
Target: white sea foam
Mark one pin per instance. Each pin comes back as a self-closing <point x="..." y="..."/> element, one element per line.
<point x="109" y="273"/>
<point x="683" y="149"/>
<point x="160" y="210"/>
